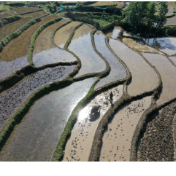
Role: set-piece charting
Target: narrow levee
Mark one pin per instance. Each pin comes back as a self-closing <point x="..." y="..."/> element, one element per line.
<point x="79" y="145"/>
<point x="18" y="49"/>
<point x="173" y="58"/>
<point x="143" y="80"/>
<point x="117" y="70"/>
<point x="36" y="137"/>
<point x="116" y="141"/>
<point x="12" y="99"/>
<point x="167" y="72"/>
<point x="166" y="45"/>
<point x="45" y="52"/>
<point x="81" y="45"/>
<point x="62" y="35"/>
<point x="157" y="142"/>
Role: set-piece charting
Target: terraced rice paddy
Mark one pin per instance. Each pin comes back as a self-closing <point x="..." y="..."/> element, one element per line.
<point x="63" y="34"/>
<point x="171" y="8"/>
<point x="118" y="135"/>
<point x="90" y="96"/>
<point x="166" y="45"/>
<point x="45" y="52"/>
<point x="5" y="14"/>
<point x="171" y="21"/>
<point x="12" y="99"/>
<point x="143" y="82"/>
<point x="35" y="14"/>
<point x="81" y="45"/>
<point x="21" y="10"/>
<point x="117" y="70"/>
<point x="12" y="27"/>
<point x="40" y="135"/>
<point x="79" y="145"/>
<point x="13" y="52"/>
<point x="114" y="34"/>
<point x="167" y="72"/>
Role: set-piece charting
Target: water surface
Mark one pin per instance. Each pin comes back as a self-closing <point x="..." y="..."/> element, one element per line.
<point x="81" y="45"/>
<point x="117" y="70"/>
<point x="115" y="32"/>
<point x="36" y="137"/>
<point x="144" y="78"/>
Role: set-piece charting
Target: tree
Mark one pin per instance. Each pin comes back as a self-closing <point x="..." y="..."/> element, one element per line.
<point x="146" y="13"/>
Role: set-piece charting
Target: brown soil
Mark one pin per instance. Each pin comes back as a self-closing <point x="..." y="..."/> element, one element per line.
<point x="63" y="34"/>
<point x="157" y="144"/>
<point x="36" y="14"/>
<point x="116" y="142"/>
<point x="12" y="27"/>
<point x="5" y="14"/>
<point x="19" y="46"/>
<point x="79" y="145"/>
<point x="21" y="10"/>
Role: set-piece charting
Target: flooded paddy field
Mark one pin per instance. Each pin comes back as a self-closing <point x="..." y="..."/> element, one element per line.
<point x="157" y="141"/>
<point x="116" y="141"/>
<point x="12" y="27"/>
<point x="166" y="45"/>
<point x="36" y="137"/>
<point x="21" y="10"/>
<point x="171" y="8"/>
<point x="81" y="45"/>
<point x="173" y="58"/>
<point x="12" y="99"/>
<point x="114" y="32"/>
<point x="139" y="45"/>
<point x="36" y="14"/>
<point x="79" y="145"/>
<point x="18" y="48"/>
<point x="167" y="72"/>
<point x="63" y="34"/>
<point x="117" y="69"/>
<point x="143" y="80"/>
<point x="46" y="52"/>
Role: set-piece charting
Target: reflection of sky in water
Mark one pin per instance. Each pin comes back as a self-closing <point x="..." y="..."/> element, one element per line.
<point x="53" y="55"/>
<point x="8" y="68"/>
<point x="162" y="43"/>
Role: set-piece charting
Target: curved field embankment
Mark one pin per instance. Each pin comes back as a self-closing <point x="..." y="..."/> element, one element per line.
<point x="45" y="51"/>
<point x="81" y="45"/>
<point x="80" y="142"/>
<point x="143" y="82"/>
<point x="18" y="49"/>
<point x="38" y="14"/>
<point x="35" y="139"/>
<point x="22" y="10"/>
<point x="63" y="34"/>
<point x="117" y="71"/>
<point x="167" y="72"/>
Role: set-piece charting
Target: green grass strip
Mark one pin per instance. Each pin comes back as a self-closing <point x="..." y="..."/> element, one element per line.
<point x="36" y="33"/>
<point x="15" y="34"/>
<point x="59" y="152"/>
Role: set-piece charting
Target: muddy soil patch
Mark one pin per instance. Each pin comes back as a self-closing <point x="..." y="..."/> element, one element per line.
<point x="117" y="70"/>
<point x="81" y="45"/>
<point x="116" y="142"/>
<point x="157" y="142"/>
<point x="35" y="139"/>
<point x="36" y="14"/>
<point x="13" y="98"/>
<point x="79" y="145"/>
<point x="114" y="33"/>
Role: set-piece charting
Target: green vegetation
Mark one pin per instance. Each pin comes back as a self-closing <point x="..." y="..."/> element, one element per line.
<point x="140" y="14"/>
<point x="35" y="36"/>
